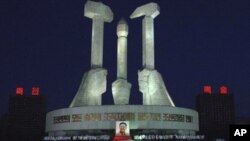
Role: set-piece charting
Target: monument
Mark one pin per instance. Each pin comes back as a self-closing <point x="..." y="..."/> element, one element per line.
<point x="121" y="87"/>
<point x="150" y="81"/>
<point x="86" y="115"/>
<point x="94" y="82"/>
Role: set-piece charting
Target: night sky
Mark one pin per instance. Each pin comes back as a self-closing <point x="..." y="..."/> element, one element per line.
<point x="46" y="43"/>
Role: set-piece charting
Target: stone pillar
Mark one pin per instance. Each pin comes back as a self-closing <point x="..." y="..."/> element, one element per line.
<point x="121" y="87"/>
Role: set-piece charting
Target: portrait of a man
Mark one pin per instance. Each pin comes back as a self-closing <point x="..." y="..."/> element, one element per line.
<point x="122" y="128"/>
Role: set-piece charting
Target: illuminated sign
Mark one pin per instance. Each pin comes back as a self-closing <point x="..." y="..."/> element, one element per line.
<point x="122" y="117"/>
<point x="62" y="119"/>
<point x="35" y="91"/>
<point x="92" y="117"/>
<point x="76" y="118"/>
<point x="119" y="116"/>
<point x="223" y="90"/>
<point x="19" y="91"/>
<point x="207" y="89"/>
<point x="168" y="137"/>
<point x="78" y="138"/>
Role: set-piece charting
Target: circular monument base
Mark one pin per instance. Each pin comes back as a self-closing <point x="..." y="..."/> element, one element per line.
<point x="142" y="118"/>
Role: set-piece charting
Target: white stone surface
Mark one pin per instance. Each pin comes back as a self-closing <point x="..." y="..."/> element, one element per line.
<point x="122" y="28"/>
<point x="99" y="13"/>
<point x="121" y="91"/>
<point x="148" y="55"/>
<point x="120" y="109"/>
<point x="98" y="9"/>
<point x="153" y="88"/>
<point x="121" y="87"/>
<point x="92" y="87"/>
<point x="122" y="33"/>
<point x="94" y="82"/>
<point x="150" y="11"/>
<point x="150" y="81"/>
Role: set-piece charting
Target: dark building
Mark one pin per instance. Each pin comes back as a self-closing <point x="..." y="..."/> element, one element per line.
<point x="242" y="120"/>
<point x="25" y="119"/>
<point x="216" y="113"/>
